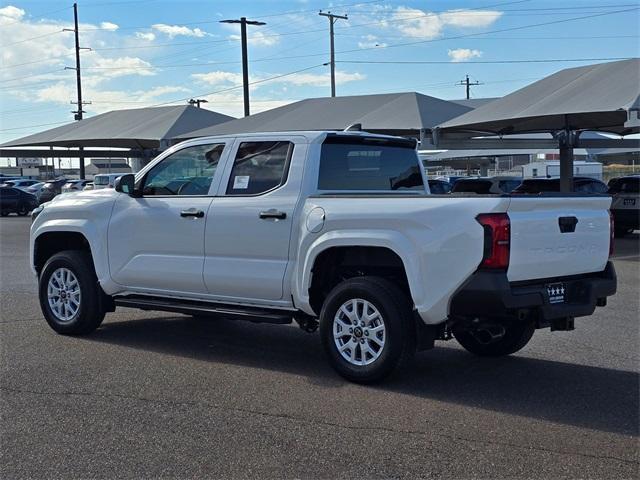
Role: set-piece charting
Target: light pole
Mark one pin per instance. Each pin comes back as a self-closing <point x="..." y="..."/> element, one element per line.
<point x="245" y="63"/>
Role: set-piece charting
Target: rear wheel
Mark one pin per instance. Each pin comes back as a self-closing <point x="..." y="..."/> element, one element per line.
<point x="70" y="296"/>
<point x="492" y="339"/>
<point x="366" y="326"/>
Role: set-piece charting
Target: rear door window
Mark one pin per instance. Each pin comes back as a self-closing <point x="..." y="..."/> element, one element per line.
<point x="259" y="167"/>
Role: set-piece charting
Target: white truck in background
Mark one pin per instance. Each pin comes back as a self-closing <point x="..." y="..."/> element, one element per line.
<point x="330" y="229"/>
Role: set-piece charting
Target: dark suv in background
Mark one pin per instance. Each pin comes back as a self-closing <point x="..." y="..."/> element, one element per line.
<point x="625" y="205"/>
<point x="541" y="185"/>
<point x="51" y="189"/>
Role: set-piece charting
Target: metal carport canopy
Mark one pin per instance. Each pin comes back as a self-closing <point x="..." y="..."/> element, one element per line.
<point x="408" y="113"/>
<point x="141" y="128"/>
<point x="604" y="97"/>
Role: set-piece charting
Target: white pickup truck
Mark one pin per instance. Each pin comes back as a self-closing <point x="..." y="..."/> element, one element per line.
<point x="330" y="229"/>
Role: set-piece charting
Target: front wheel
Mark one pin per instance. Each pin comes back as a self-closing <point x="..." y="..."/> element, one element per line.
<point x="495" y="339"/>
<point x="367" y="329"/>
<point x="70" y="294"/>
<point x="22" y="211"/>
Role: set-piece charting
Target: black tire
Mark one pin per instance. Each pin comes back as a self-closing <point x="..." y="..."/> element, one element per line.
<point x="22" y="211"/>
<point x="516" y="336"/>
<point x="394" y="307"/>
<point x="4" y="214"/>
<point x="91" y="311"/>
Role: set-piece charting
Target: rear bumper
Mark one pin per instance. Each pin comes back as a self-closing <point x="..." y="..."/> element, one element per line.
<point x="490" y="294"/>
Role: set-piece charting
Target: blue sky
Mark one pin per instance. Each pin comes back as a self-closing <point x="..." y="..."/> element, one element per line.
<point x="154" y="52"/>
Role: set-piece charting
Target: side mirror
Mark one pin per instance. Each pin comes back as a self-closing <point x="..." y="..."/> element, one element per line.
<point x="126" y="184"/>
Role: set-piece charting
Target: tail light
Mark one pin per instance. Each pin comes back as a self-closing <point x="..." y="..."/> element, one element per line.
<point x="497" y="239"/>
<point x="611" y="233"/>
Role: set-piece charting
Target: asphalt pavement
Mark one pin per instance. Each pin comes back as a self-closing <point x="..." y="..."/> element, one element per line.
<point x="154" y="395"/>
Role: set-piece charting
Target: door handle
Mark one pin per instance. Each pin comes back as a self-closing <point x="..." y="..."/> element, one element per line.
<point x="273" y="213"/>
<point x="192" y="212"/>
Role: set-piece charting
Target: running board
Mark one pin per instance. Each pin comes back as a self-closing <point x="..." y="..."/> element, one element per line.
<point x="253" y="314"/>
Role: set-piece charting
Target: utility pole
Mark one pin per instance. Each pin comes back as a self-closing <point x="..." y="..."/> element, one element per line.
<point x="468" y="85"/>
<point x="332" y="19"/>
<point x="78" y="113"/>
<point x="245" y="62"/>
<point x="197" y="101"/>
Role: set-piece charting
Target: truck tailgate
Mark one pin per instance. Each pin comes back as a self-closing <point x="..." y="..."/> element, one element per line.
<point x="558" y="236"/>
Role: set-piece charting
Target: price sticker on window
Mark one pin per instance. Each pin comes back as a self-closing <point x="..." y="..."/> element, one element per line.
<point x="241" y="182"/>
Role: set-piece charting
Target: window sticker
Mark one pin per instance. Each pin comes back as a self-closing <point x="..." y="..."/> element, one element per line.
<point x="241" y="182"/>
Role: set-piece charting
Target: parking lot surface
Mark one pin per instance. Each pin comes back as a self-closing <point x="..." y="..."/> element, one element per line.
<point x="161" y="395"/>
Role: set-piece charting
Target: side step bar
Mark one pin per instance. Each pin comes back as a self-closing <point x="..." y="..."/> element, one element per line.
<point x="253" y="314"/>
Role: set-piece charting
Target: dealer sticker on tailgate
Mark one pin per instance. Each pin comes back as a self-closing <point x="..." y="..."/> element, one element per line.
<point x="556" y="292"/>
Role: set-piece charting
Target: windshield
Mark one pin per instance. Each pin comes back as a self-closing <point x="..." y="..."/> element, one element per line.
<point x="365" y="164"/>
<point x="101" y="180"/>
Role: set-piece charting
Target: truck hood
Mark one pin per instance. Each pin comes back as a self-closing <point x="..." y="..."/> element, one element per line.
<point x="83" y="197"/>
<point x="78" y="205"/>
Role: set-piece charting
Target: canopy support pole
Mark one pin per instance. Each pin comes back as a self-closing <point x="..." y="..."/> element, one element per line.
<point x="566" y="143"/>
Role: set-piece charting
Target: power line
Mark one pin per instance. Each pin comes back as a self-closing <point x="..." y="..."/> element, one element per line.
<point x="38" y="15"/>
<point x="449" y="62"/>
<point x="22" y="77"/>
<point x="31" y="126"/>
<point x="235" y="87"/>
<point x="502" y="30"/>
<point x="32" y="38"/>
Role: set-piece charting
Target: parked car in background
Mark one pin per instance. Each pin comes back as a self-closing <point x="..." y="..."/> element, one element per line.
<point x="19" y="183"/>
<point x="105" y="180"/>
<point x="625" y="206"/>
<point x="580" y="185"/>
<point x="50" y="189"/>
<point x="35" y="189"/>
<point x="439" y="187"/>
<point x="486" y="185"/>
<point x="74" y="186"/>
<point x="15" y="200"/>
<point x="89" y="186"/>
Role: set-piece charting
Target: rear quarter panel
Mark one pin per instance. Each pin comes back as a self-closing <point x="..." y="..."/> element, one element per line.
<point x="437" y="237"/>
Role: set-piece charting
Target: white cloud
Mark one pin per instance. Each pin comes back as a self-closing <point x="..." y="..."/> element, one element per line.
<point x="470" y="18"/>
<point x="320" y="80"/>
<point x="370" y="41"/>
<point x="105" y="100"/>
<point x="416" y="23"/>
<point x="258" y="39"/>
<point x="11" y="13"/>
<point x="122" y="66"/>
<point x="112" y="27"/>
<point x="218" y="77"/>
<point x="176" y="30"/>
<point x="298" y="79"/>
<point x="463" y="54"/>
<point x="149" y="36"/>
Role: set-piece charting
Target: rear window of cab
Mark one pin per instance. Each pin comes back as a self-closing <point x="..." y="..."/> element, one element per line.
<point x="369" y="164"/>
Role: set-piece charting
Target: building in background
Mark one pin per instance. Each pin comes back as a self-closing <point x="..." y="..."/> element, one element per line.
<point x="107" y="165"/>
<point x="551" y="168"/>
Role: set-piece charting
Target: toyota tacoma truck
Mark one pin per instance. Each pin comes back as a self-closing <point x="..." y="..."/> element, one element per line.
<point x="333" y="230"/>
